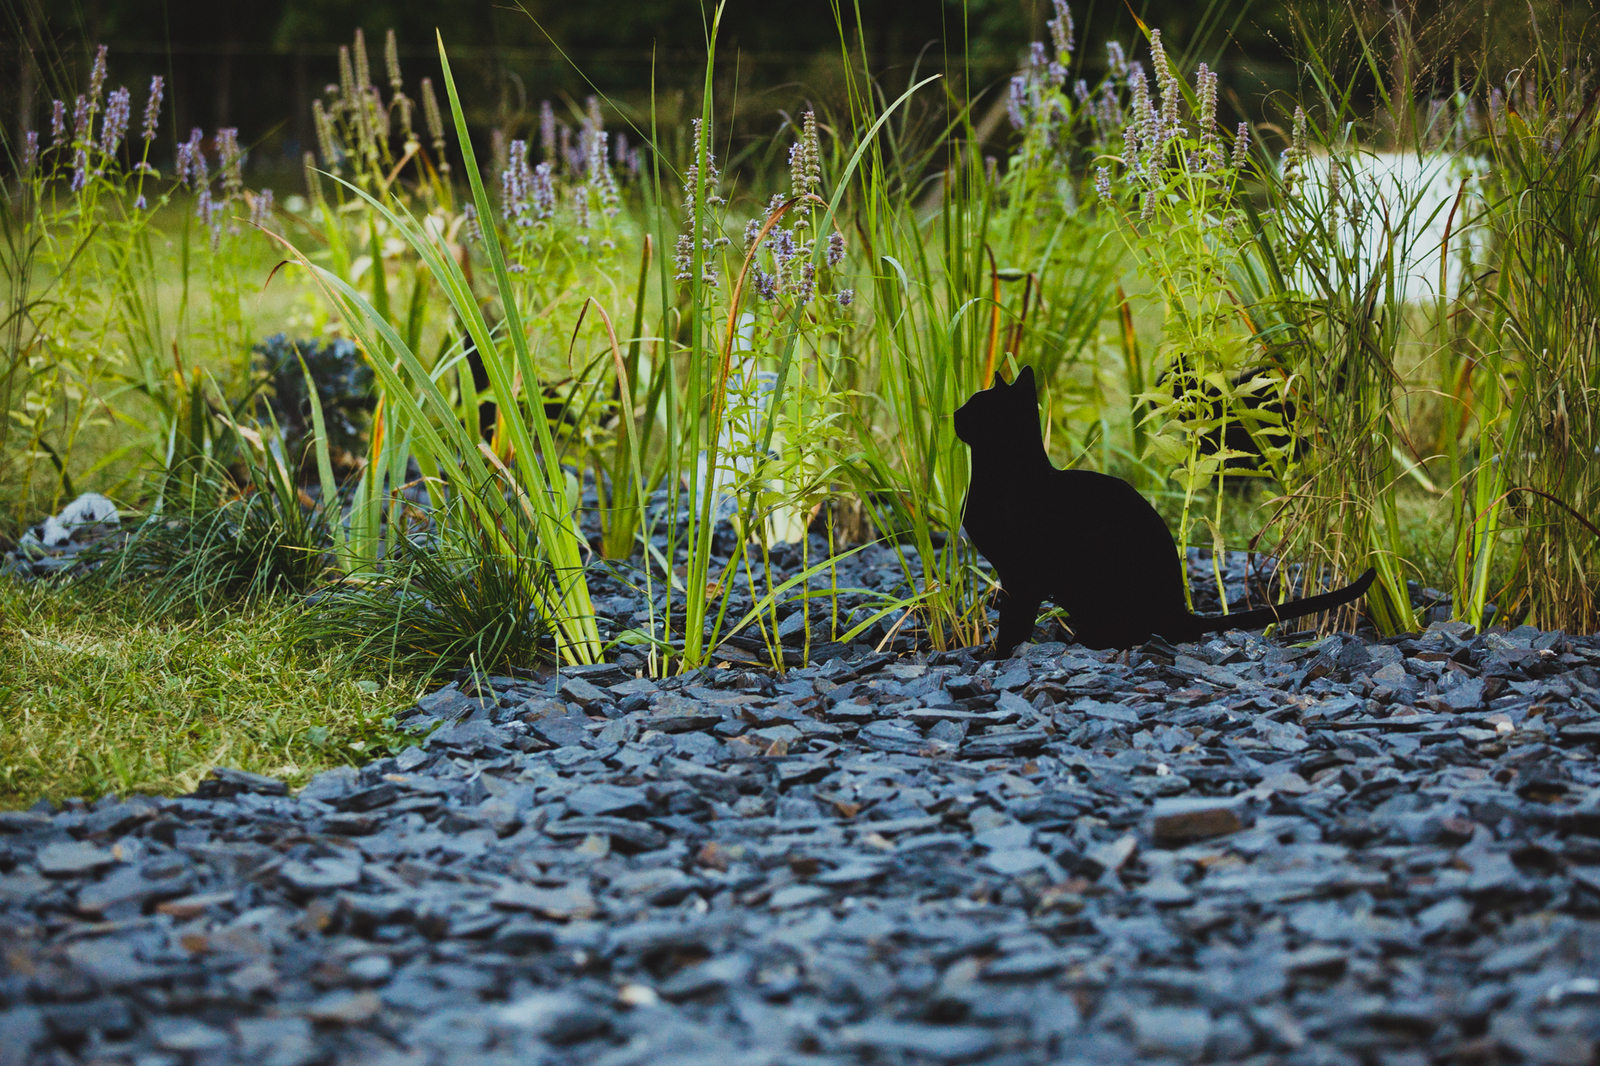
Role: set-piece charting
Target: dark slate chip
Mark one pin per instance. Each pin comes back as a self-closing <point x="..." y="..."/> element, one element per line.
<point x="1004" y="745"/>
<point x="681" y="721"/>
<point x="903" y="738"/>
<point x="23" y="822"/>
<point x="607" y="799"/>
<point x="368" y="799"/>
<point x="601" y="675"/>
<point x="563" y="731"/>
<point x="228" y="782"/>
<point x="638" y="835"/>
<point x="584" y="693"/>
<point x="938" y="1043"/>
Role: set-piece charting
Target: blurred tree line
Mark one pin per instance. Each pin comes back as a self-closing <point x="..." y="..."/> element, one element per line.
<point x="258" y="67"/>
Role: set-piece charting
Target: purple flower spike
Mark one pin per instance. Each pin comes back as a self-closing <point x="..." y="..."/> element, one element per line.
<point x="30" y="151"/>
<point x="191" y="164"/>
<point x="516" y="183"/>
<point x="547" y="130"/>
<point x="835" y="248"/>
<point x="232" y="159"/>
<point x="152" y="108"/>
<point x="1116" y="61"/>
<point x="543" y="192"/>
<point x="1016" y="97"/>
<point x="58" y="123"/>
<point x="261" y="209"/>
<point x="1061" y="30"/>
<point x="766" y="285"/>
<point x="114" y="126"/>
<point x="97" y="75"/>
<point x="80" y="119"/>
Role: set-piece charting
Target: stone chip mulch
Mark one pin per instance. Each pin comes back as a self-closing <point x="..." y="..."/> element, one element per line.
<point x="1236" y="852"/>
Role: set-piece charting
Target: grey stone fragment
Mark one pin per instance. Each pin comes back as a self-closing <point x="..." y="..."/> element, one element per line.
<point x="228" y="782"/>
<point x="129" y="887"/>
<point x="706" y="977"/>
<point x="940" y="1043"/>
<point x="555" y="1017"/>
<point x="21" y="1028"/>
<point x="567" y="902"/>
<point x="332" y="784"/>
<point x="187" y="1035"/>
<point x="1005" y="837"/>
<point x="344" y="1008"/>
<point x="103" y="1014"/>
<point x="562" y="730"/>
<point x="1466" y="696"/>
<point x="583" y="693"/>
<point x="607" y="799"/>
<point x="798" y="896"/>
<point x="639" y="835"/>
<point x="895" y="737"/>
<point x="1177" y="1031"/>
<point x="115" y="820"/>
<point x="1110" y="712"/>
<point x="275" y="1041"/>
<point x="1011" y="862"/>
<point x="73" y="860"/>
<point x="662" y="886"/>
<point x="320" y="875"/>
<point x="23" y="821"/>
<point x="1446" y="914"/>
<point x="110" y="963"/>
<point x="1004" y="745"/>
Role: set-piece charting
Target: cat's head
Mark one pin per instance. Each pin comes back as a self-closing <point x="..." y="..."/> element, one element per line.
<point x="996" y="410"/>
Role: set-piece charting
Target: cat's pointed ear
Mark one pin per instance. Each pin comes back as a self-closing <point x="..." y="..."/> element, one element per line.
<point x="1025" y="377"/>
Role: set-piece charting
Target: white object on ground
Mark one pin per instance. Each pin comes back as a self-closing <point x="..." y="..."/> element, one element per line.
<point x="90" y="509"/>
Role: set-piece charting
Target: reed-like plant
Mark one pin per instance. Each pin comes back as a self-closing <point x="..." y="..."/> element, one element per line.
<point x="1546" y="145"/>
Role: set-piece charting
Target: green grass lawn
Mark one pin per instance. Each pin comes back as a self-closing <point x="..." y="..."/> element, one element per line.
<point x="96" y="697"/>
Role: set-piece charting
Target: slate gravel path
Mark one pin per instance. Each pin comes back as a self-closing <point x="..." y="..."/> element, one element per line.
<point x="1241" y="852"/>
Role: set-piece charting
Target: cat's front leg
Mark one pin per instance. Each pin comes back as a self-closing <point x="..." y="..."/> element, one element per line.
<point x="1019" y="610"/>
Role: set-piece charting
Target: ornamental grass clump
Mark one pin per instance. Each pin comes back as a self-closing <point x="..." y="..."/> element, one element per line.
<point x="441" y="604"/>
<point x="1547" y="155"/>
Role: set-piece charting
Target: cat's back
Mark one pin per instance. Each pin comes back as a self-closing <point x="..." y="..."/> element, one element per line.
<point x="1104" y="490"/>
<point x="1111" y="513"/>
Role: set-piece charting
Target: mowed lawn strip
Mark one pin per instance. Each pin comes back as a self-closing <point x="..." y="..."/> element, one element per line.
<point x="97" y="696"/>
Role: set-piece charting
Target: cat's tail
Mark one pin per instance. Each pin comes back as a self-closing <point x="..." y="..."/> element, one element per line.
<point x="1262" y="617"/>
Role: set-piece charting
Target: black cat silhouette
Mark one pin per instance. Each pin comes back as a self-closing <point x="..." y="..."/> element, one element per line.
<point x="1086" y="542"/>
